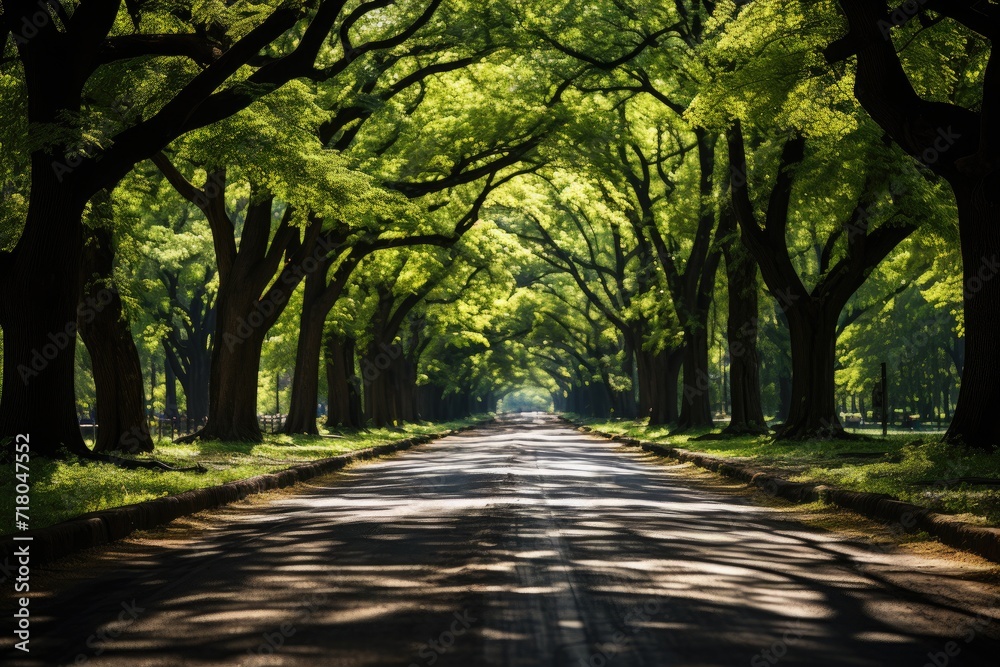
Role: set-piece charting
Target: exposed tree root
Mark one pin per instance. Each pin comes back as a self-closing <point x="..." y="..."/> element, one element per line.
<point x="203" y="434"/>
<point x="189" y="438"/>
<point x="728" y="434"/>
<point x="975" y="481"/>
<point x="799" y="433"/>
<point x="861" y="455"/>
<point x="132" y="464"/>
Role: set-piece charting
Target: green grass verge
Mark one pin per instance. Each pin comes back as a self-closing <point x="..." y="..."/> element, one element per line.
<point x="893" y="466"/>
<point x="61" y="490"/>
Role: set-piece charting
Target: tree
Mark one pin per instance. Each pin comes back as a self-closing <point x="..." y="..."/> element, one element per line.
<point x="121" y="414"/>
<point x="956" y="141"/>
<point x="747" y="414"/>
<point x="59" y="60"/>
<point x="813" y="314"/>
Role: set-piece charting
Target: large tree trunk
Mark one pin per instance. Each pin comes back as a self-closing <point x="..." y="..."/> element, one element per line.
<point x="170" y="402"/>
<point x="975" y="422"/>
<point x="747" y="413"/>
<point x="430" y="402"/>
<point x="191" y="359"/>
<point x="813" y="409"/>
<point x="194" y="381"/>
<point x="675" y="361"/>
<point x="197" y="390"/>
<point x="305" y="386"/>
<point x="407" y="389"/>
<point x="627" y="407"/>
<point x="812" y="314"/>
<point x="317" y="301"/>
<point x="645" y="374"/>
<point x="696" y="405"/>
<point x="232" y="409"/>
<point x="649" y="368"/>
<point x="38" y="315"/>
<point x="343" y="398"/>
<point x="658" y="375"/>
<point x="305" y="383"/>
<point x="121" y="415"/>
<point x="379" y="371"/>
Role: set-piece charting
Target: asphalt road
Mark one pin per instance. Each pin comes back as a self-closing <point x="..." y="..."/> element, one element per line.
<point x="520" y="544"/>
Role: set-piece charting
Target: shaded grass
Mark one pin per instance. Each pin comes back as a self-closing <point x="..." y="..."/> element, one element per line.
<point x="61" y="490"/>
<point x="894" y="466"/>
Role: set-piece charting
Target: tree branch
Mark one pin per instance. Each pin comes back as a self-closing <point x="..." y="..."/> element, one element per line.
<point x="124" y="47"/>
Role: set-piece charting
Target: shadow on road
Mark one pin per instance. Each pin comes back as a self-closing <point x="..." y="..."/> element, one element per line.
<point x="522" y="544"/>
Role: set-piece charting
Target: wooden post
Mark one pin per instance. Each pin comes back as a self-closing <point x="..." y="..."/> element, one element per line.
<point x="152" y="385"/>
<point x="885" y="404"/>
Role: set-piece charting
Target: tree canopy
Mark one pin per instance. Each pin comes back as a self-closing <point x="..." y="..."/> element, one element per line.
<point x="351" y="213"/>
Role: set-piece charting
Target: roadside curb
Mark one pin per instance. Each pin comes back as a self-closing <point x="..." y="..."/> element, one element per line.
<point x="106" y="526"/>
<point x="901" y="517"/>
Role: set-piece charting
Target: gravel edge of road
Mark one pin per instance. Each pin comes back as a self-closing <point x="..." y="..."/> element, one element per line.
<point x="898" y="515"/>
<point x="103" y="527"/>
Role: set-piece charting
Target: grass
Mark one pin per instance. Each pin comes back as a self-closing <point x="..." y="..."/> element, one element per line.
<point x="61" y="490"/>
<point x="894" y="466"/>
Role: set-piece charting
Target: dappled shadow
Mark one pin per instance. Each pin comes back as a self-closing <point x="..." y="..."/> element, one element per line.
<point x="552" y="547"/>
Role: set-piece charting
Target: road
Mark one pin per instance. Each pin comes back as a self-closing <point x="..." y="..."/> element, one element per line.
<point x="522" y="544"/>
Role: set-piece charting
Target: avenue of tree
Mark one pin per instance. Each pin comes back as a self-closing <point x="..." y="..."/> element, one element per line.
<point x="708" y="214"/>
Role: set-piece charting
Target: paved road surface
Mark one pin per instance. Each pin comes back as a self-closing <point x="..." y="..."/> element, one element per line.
<point x="522" y="544"/>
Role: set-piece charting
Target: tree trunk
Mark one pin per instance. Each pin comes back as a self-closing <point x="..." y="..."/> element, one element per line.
<point x="377" y="373"/>
<point x="431" y="402"/>
<point x="813" y="409"/>
<point x="627" y="405"/>
<point x="406" y="389"/>
<point x="746" y="411"/>
<point x="170" y="402"/>
<point x="121" y="415"/>
<point x="342" y="384"/>
<point x="647" y="390"/>
<point x="696" y="406"/>
<point x="305" y="386"/>
<point x="190" y="356"/>
<point x="196" y="391"/>
<point x="305" y="383"/>
<point x="38" y="315"/>
<point x="974" y="422"/>
<point x="660" y="377"/>
<point x="232" y="409"/>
